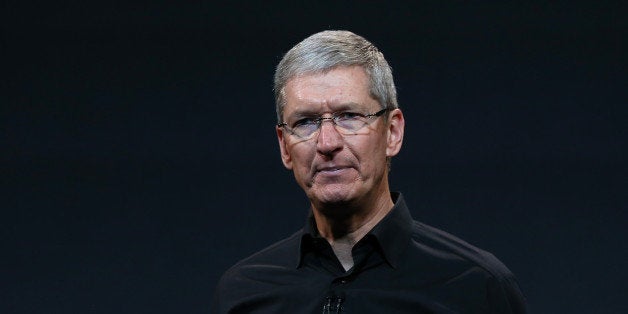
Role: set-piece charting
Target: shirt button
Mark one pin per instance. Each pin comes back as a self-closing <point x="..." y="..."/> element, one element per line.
<point x="343" y="281"/>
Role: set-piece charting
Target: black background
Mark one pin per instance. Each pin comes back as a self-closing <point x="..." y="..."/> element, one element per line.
<point x="139" y="157"/>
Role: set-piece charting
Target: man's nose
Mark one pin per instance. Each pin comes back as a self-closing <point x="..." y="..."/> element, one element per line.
<point x="328" y="140"/>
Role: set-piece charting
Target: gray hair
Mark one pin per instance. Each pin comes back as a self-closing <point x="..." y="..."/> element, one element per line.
<point x="327" y="50"/>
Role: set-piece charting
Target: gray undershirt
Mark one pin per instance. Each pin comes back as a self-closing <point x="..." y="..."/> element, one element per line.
<point x="343" y="252"/>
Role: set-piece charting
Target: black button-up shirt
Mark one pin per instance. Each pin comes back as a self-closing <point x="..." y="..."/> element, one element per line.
<point x="401" y="266"/>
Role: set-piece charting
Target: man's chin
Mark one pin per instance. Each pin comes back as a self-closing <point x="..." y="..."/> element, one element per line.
<point x="333" y="195"/>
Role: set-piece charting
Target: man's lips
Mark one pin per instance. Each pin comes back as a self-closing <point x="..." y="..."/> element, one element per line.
<point x="333" y="174"/>
<point x="331" y="168"/>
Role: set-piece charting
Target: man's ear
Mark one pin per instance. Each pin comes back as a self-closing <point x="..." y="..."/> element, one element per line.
<point x="285" y="154"/>
<point x="396" y="124"/>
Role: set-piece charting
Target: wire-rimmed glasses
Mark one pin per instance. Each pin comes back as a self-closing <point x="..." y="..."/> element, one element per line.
<point x="346" y="123"/>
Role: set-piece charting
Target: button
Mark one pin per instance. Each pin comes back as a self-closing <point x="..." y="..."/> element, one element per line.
<point x="343" y="281"/>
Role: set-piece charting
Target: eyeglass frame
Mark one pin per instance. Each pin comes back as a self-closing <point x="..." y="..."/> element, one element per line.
<point x="334" y="116"/>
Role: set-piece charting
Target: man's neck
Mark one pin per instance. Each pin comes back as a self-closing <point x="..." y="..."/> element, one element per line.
<point x="343" y="233"/>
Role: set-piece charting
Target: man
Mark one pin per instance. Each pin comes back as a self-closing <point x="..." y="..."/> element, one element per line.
<point x="360" y="251"/>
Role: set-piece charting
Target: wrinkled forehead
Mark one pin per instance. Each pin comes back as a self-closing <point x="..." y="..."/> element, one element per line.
<point x="343" y="88"/>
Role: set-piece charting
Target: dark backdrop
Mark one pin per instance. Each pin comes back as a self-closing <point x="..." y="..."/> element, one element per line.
<point x="139" y="160"/>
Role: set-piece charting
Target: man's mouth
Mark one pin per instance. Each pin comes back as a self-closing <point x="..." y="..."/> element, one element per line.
<point x="332" y="171"/>
<point x="331" y="168"/>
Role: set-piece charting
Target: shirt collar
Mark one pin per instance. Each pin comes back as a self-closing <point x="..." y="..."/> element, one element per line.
<point x="392" y="233"/>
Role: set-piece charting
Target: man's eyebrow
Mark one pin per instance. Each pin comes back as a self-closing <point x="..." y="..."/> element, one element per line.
<point x="308" y="112"/>
<point x="301" y="114"/>
<point x="347" y="106"/>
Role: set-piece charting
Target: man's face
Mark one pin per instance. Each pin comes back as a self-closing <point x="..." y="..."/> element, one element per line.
<point x="330" y="167"/>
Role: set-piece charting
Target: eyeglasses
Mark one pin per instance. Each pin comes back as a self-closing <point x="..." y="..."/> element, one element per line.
<point x="347" y="123"/>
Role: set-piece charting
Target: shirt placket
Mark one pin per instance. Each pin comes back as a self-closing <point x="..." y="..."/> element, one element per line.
<point x="336" y="296"/>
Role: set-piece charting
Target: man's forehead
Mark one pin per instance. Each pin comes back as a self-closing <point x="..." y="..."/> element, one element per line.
<point x="342" y="88"/>
<point x="356" y="73"/>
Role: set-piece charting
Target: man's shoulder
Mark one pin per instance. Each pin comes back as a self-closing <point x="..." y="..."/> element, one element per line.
<point x="257" y="272"/>
<point x="467" y="267"/>
<point x="279" y="255"/>
<point x="448" y="243"/>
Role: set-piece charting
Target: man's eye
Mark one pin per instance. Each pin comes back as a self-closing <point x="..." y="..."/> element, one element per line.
<point x="304" y="122"/>
<point x="343" y="116"/>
